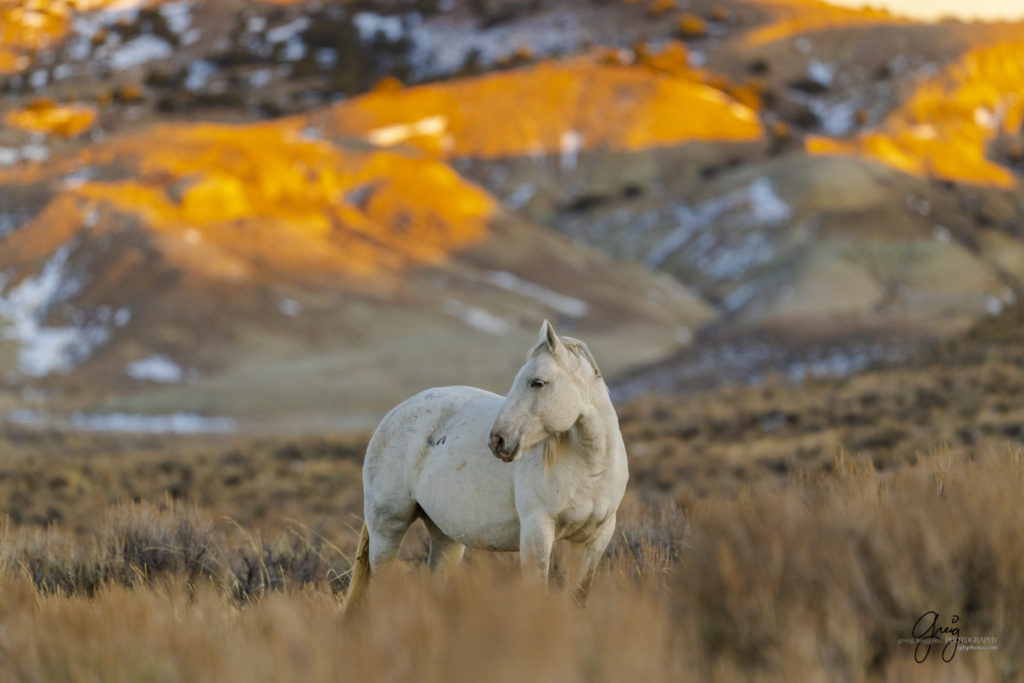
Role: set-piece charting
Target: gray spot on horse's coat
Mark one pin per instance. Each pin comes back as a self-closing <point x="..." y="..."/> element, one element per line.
<point x="433" y="441"/>
<point x="385" y="513"/>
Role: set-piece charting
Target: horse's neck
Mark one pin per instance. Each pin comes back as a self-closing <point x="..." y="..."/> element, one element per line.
<point x="597" y="430"/>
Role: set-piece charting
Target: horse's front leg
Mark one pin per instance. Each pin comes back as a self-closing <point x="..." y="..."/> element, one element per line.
<point x="536" y="536"/>
<point x="593" y="550"/>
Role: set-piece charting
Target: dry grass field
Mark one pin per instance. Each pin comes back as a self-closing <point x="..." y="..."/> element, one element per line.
<point x="740" y="555"/>
<point x="777" y="532"/>
<point x="811" y="577"/>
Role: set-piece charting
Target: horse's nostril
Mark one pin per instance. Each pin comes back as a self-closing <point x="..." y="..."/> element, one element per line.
<point x="497" y="443"/>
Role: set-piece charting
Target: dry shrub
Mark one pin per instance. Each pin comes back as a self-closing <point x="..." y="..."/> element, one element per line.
<point x="814" y="576"/>
<point x="827" y="575"/>
<point x="55" y="562"/>
<point x="145" y="541"/>
<point x="147" y="544"/>
<point x="302" y="558"/>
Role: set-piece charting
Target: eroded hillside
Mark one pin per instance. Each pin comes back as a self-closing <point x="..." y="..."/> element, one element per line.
<point x="302" y="209"/>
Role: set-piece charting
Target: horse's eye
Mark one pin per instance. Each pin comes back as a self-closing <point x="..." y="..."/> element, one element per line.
<point x="537" y="383"/>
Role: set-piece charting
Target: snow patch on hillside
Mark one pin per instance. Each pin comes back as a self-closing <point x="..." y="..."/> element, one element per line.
<point x="289" y="307"/>
<point x="86" y="24"/>
<point x="175" y="423"/>
<point x="821" y="73"/>
<point x="566" y="305"/>
<point x="286" y="32"/>
<point x="200" y="71"/>
<point x="725" y="236"/>
<point x="837" y="118"/>
<point x="42" y="349"/>
<point x="138" y="51"/>
<point x="369" y="24"/>
<point x="571" y="143"/>
<point x="521" y="196"/>
<point x="442" y="44"/>
<point x="8" y="224"/>
<point x="477" y="318"/>
<point x="178" y="16"/>
<point x="32" y="151"/>
<point x="156" y="368"/>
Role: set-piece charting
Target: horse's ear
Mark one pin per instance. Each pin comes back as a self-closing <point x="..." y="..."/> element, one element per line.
<point x="548" y="337"/>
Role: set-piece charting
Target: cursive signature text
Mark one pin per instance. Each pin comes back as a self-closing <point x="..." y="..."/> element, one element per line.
<point x="928" y="632"/>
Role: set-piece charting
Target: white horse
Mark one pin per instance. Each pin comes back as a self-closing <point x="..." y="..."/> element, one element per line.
<point x="556" y="468"/>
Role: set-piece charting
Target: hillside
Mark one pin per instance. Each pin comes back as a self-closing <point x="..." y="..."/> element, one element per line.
<point x="237" y="256"/>
<point x="290" y="215"/>
<point x="877" y="197"/>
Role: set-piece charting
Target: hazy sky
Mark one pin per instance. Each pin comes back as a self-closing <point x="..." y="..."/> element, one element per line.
<point x="934" y="9"/>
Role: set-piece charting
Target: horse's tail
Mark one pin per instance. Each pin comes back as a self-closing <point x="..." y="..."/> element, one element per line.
<point x="360" y="573"/>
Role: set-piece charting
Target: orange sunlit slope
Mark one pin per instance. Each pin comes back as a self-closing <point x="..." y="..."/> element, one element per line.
<point x="46" y="116"/>
<point x="582" y="103"/>
<point x="262" y="198"/>
<point x="795" y="17"/>
<point x="945" y="127"/>
<point x="28" y="26"/>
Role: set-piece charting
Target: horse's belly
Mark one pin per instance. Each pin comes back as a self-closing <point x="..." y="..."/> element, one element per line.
<point x="469" y="495"/>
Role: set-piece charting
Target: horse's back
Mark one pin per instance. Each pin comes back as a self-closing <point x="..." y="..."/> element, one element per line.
<point x="431" y="452"/>
<point x="427" y="411"/>
<point x="407" y="433"/>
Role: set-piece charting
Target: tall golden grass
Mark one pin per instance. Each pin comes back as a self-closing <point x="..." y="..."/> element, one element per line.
<point x="814" y="576"/>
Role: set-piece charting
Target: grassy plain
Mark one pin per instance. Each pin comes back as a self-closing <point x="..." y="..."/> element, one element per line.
<point x="234" y="573"/>
<point x="810" y="577"/>
<point x="777" y="532"/>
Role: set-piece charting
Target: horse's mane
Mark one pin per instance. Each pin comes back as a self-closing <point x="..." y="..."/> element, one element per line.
<point x="576" y="347"/>
<point x="579" y="351"/>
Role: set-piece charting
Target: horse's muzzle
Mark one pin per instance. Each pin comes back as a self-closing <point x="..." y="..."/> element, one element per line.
<point x="503" y="450"/>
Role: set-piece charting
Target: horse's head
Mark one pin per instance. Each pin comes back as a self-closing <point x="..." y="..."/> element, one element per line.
<point x="547" y="396"/>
